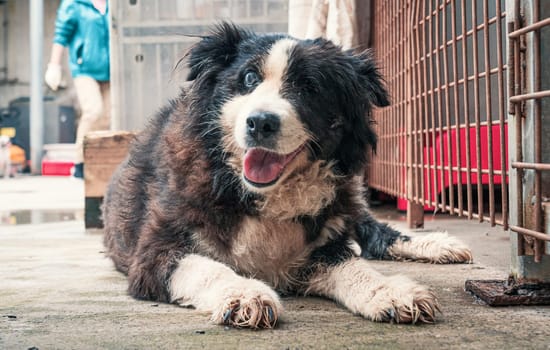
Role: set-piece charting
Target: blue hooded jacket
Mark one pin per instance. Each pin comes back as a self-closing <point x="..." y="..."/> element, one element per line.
<point x="81" y="27"/>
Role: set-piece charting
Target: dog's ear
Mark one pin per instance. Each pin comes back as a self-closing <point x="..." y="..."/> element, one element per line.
<point x="371" y="79"/>
<point x="216" y="50"/>
<point x="365" y="88"/>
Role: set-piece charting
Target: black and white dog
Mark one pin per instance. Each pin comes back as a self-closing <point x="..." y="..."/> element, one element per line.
<point x="247" y="185"/>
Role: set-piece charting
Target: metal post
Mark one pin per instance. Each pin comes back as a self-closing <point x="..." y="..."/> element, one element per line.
<point x="528" y="258"/>
<point x="114" y="42"/>
<point x="37" y="98"/>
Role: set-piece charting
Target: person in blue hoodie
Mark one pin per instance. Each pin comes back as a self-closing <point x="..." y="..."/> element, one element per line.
<point x="82" y="26"/>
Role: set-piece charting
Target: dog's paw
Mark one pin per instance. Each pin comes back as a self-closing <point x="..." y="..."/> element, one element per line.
<point x="400" y="300"/>
<point x="254" y="306"/>
<point x="438" y="248"/>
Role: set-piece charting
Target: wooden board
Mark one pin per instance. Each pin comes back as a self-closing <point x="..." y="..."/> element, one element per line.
<point x="103" y="152"/>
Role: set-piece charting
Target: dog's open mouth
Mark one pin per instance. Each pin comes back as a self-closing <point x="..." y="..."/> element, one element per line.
<point x="263" y="168"/>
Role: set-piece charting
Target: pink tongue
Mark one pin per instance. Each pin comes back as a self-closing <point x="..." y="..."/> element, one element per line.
<point x="263" y="167"/>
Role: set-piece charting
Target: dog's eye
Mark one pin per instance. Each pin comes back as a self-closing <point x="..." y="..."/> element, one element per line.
<point x="251" y="79"/>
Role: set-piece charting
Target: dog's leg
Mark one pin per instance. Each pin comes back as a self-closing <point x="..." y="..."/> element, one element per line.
<point x="232" y="299"/>
<point x="374" y="296"/>
<point x="379" y="241"/>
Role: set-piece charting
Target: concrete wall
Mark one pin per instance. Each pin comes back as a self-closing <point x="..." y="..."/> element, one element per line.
<point x="15" y="50"/>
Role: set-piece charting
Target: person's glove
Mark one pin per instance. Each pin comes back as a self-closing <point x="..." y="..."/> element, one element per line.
<point x="53" y="76"/>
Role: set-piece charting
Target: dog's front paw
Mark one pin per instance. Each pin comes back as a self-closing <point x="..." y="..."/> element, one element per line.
<point x="439" y="248"/>
<point x="398" y="299"/>
<point x="254" y="306"/>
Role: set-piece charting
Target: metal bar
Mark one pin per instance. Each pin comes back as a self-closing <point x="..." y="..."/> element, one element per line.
<point x="476" y="110"/>
<point x="115" y="79"/>
<point x="530" y="28"/>
<point x="537" y="139"/>
<point x="412" y="179"/>
<point x="37" y="96"/>
<point x="515" y="44"/>
<point x="533" y="166"/>
<point x="537" y="235"/>
<point x="489" y="115"/>
<point x="529" y="96"/>
<point x="502" y="122"/>
<point x="511" y="70"/>
<point x="415" y="210"/>
<point x="448" y="121"/>
<point x="418" y="177"/>
<point x="424" y="121"/>
<point x="440" y="81"/>
<point x="432" y="194"/>
<point x="466" y="113"/>
<point x="458" y="149"/>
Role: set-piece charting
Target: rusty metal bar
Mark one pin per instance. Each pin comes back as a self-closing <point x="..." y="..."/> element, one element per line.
<point x="447" y="120"/>
<point x="502" y="123"/>
<point x="428" y="103"/>
<point x="537" y="207"/>
<point x="466" y="113"/>
<point x="533" y="166"/>
<point x="476" y="111"/>
<point x="458" y="149"/>
<point x="436" y="83"/>
<point x="524" y="231"/>
<point x="515" y="43"/>
<point x="529" y="96"/>
<point x="419" y="180"/>
<point x="489" y="115"/>
<point x="530" y="28"/>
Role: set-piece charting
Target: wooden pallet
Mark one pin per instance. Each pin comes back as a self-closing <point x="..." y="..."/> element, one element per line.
<point x="103" y="152"/>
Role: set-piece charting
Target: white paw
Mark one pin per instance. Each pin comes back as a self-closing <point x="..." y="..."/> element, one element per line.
<point x="438" y="248"/>
<point x="254" y="305"/>
<point x="398" y="299"/>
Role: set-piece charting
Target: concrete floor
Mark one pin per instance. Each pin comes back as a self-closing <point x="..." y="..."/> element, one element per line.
<point x="58" y="291"/>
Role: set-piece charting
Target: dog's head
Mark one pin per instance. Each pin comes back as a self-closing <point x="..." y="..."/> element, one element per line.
<point x="4" y="141"/>
<point x="283" y="103"/>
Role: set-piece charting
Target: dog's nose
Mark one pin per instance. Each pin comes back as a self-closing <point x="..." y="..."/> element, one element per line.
<point x="263" y="125"/>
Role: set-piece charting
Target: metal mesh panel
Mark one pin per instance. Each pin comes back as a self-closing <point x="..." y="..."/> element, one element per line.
<point x="443" y="139"/>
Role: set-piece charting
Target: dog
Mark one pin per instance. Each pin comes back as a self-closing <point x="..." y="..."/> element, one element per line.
<point x="247" y="186"/>
<point x="5" y="157"/>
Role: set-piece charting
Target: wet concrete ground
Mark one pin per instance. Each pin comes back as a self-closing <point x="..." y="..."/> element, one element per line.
<point x="59" y="292"/>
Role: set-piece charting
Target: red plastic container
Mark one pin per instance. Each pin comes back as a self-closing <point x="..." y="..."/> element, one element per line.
<point x="56" y="168"/>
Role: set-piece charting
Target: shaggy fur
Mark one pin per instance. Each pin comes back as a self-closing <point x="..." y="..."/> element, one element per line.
<point x="247" y="184"/>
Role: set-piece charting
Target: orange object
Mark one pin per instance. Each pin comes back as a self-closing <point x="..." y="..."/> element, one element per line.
<point x="17" y="155"/>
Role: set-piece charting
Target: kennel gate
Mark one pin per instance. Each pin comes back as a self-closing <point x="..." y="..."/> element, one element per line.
<point x="469" y="110"/>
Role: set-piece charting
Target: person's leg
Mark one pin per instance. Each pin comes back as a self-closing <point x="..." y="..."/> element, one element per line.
<point x="90" y="98"/>
<point x="105" y="121"/>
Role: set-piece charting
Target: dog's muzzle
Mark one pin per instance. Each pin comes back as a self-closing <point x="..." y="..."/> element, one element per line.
<point x="262" y="129"/>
